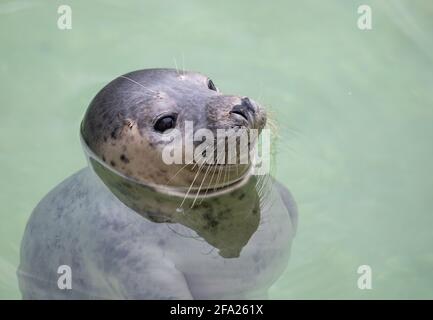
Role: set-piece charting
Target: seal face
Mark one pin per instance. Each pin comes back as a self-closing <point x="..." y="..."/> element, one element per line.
<point x="131" y="120"/>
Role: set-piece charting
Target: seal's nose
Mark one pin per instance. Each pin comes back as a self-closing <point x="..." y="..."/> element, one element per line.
<point x="246" y="102"/>
<point x="245" y="109"/>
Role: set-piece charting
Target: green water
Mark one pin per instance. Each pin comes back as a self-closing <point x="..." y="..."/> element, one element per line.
<point x="355" y="111"/>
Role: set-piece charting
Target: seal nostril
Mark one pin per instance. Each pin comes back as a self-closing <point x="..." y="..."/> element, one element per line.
<point x="240" y="110"/>
<point x="248" y="104"/>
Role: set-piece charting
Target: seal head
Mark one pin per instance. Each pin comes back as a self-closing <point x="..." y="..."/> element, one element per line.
<point x="130" y="123"/>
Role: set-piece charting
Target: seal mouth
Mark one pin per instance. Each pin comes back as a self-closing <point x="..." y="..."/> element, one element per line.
<point x="245" y="111"/>
<point x="245" y="116"/>
<point x="218" y="190"/>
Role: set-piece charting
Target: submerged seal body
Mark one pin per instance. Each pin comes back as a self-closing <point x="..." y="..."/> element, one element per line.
<point x="132" y="226"/>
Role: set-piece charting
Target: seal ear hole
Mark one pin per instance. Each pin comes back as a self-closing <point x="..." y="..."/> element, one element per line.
<point x="165" y="123"/>
<point x="211" y="85"/>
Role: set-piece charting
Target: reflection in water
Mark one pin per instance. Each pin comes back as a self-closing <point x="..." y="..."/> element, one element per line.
<point x="226" y="222"/>
<point x="233" y="245"/>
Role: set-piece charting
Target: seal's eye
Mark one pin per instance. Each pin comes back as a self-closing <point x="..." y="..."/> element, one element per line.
<point x="211" y="85"/>
<point x="165" y="123"/>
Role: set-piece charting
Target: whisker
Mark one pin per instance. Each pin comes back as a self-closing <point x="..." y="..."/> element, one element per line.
<point x="214" y="171"/>
<point x="138" y="83"/>
<point x="204" y="178"/>
<point x="223" y="154"/>
<point x="209" y="184"/>
<point x="225" y="176"/>
<point x="198" y="191"/>
<point x="185" y="167"/>
<point x="180" y="171"/>
<point x="183" y="61"/>
<point x="190" y="187"/>
<point x="175" y="64"/>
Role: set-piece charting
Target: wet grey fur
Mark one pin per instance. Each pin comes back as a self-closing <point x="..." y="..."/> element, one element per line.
<point x="114" y="253"/>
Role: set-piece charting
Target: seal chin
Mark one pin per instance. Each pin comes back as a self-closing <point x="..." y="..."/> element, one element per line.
<point x="233" y="180"/>
<point x="247" y="111"/>
<point x="195" y="177"/>
<point x="225" y="188"/>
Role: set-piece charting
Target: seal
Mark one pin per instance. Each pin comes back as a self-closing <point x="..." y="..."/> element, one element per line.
<point x="131" y="226"/>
